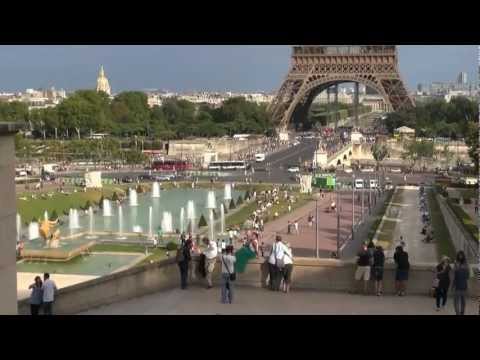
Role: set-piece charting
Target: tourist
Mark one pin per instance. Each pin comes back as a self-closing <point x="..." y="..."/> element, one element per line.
<point x="363" y="268"/>
<point x="228" y="275"/>
<point x="289" y="227"/>
<point x="275" y="263"/>
<point x="442" y="282"/>
<point x="36" y="297"/>
<point x="49" y="289"/>
<point x="210" y="259"/>
<point x="403" y="266"/>
<point x="378" y="266"/>
<point x="295" y="224"/>
<point x="310" y="220"/>
<point x="289" y="208"/>
<point x="461" y="274"/>
<point x="183" y="260"/>
<point x="287" y="268"/>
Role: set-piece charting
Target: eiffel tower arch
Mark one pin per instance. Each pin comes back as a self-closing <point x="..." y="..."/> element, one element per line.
<point x="314" y="69"/>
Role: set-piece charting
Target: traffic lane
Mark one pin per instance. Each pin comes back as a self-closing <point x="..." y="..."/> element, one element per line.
<point x="396" y="179"/>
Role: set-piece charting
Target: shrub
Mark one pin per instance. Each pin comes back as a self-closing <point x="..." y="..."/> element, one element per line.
<point x="225" y="210"/>
<point x="202" y="222"/>
<point x="240" y="200"/>
<point x="34" y="219"/>
<point x="87" y="205"/>
<point x="215" y="215"/>
<point x="100" y="202"/>
<point x="232" y="205"/>
<point x="172" y="245"/>
<point x="114" y="196"/>
<point x="54" y="215"/>
<point x="247" y="195"/>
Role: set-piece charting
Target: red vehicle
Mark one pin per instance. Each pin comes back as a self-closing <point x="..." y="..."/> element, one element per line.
<point x="170" y="165"/>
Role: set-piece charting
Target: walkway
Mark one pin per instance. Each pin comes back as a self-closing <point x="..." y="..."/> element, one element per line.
<point x="409" y="226"/>
<point x="304" y="243"/>
<point x="256" y="301"/>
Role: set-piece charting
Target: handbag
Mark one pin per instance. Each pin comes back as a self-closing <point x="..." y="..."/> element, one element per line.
<point x="232" y="276"/>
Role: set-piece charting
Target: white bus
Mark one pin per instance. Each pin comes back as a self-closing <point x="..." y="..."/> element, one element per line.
<point x="227" y="165"/>
<point x="359" y="184"/>
<point x="259" y="157"/>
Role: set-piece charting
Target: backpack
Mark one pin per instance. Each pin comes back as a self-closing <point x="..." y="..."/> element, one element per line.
<point x="180" y="257"/>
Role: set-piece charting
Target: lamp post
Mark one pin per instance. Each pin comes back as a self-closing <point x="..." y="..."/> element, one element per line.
<point x="316" y="228"/>
<point x="353" y="204"/>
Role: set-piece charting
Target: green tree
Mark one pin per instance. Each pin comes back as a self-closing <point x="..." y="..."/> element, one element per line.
<point x="379" y="152"/>
<point x="202" y="222"/>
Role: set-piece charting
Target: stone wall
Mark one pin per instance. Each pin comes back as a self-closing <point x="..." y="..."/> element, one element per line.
<point x="312" y="274"/>
<point x="8" y="211"/>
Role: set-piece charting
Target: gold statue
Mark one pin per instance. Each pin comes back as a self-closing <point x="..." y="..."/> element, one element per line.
<point x="46" y="232"/>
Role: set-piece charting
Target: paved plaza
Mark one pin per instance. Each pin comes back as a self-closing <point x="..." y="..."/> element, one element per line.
<point x="303" y="244"/>
<point x="409" y="225"/>
<point x="256" y="301"/>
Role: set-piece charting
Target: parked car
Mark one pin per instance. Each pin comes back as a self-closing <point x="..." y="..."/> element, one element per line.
<point x="293" y="169"/>
<point x="127" y="179"/>
<point x="368" y="170"/>
<point x="359" y="184"/>
<point x="164" y="177"/>
<point x="396" y="170"/>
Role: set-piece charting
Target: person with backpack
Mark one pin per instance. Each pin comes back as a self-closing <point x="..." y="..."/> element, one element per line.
<point x="461" y="274"/>
<point x="378" y="267"/>
<point x="442" y="282"/>
<point x="228" y="275"/>
<point x="401" y="274"/>
<point x="276" y="263"/>
<point x="183" y="258"/>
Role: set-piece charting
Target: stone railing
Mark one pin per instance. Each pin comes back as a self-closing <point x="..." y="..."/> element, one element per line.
<point x="311" y="274"/>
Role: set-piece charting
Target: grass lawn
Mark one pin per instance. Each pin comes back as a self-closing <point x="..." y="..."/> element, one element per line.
<point x="378" y="219"/>
<point x="442" y="236"/>
<point x="61" y="203"/>
<point x="464" y="218"/>
<point x="385" y="234"/>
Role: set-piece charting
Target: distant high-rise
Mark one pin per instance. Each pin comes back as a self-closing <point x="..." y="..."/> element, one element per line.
<point x="102" y="82"/>
<point x="462" y="78"/>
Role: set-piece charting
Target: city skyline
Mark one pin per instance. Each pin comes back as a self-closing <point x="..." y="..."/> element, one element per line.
<point x="183" y="68"/>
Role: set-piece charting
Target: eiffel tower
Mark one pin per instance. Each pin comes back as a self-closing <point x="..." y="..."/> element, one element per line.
<point x="317" y="68"/>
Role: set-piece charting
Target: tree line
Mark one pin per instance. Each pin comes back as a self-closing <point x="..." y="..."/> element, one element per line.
<point x="128" y="114"/>
<point x="457" y="119"/>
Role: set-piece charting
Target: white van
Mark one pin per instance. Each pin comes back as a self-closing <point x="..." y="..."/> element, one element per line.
<point x="259" y="157"/>
<point x="373" y="183"/>
<point x="359" y="184"/>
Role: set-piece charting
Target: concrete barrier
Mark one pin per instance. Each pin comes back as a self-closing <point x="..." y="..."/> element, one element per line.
<point x="311" y="274"/>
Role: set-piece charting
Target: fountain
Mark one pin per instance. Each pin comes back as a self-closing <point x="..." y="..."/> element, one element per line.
<point x="150" y="222"/>
<point x="133" y="197"/>
<point x="227" y="193"/>
<point x="45" y="215"/>
<point x="19" y="227"/>
<point x="212" y="226"/>
<point x="167" y="222"/>
<point x="211" y="205"/>
<point x="33" y="231"/>
<point x="156" y="190"/>
<point x="73" y="222"/>
<point x="107" y="208"/>
<point x="191" y="215"/>
<point x="120" y="224"/>
<point x="211" y="201"/>
<point x="182" y="219"/>
<point x="222" y="219"/>
<point x="91" y="224"/>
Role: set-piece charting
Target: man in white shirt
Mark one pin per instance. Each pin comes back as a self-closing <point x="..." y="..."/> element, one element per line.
<point x="49" y="289"/>
<point x="210" y="253"/>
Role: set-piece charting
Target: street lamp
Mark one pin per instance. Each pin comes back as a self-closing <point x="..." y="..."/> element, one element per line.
<point x="316" y="227"/>
<point x="353" y="204"/>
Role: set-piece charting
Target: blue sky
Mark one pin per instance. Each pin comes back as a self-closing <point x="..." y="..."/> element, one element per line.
<point x="199" y="67"/>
